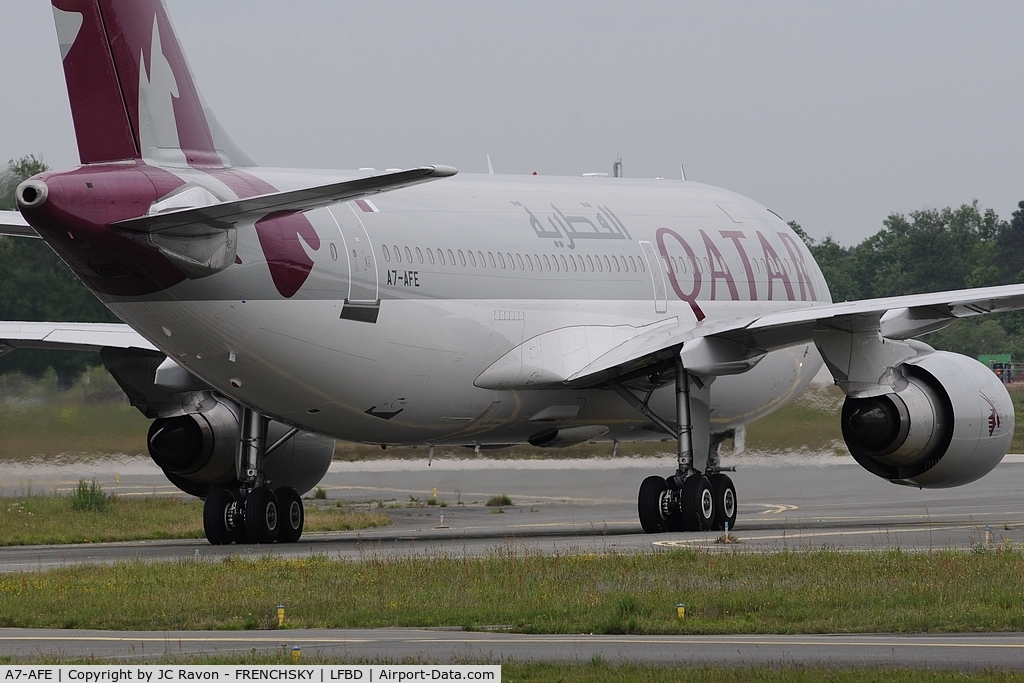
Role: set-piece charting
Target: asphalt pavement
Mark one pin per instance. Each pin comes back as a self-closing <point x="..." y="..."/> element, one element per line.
<point x="786" y="502"/>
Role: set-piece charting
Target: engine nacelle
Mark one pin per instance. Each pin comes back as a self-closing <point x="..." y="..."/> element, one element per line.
<point x="197" y="447"/>
<point x="198" y="450"/>
<point x="949" y="422"/>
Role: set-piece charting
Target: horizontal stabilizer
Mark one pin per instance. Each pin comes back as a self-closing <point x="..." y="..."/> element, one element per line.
<point x="13" y="225"/>
<point x="228" y="214"/>
<point x="69" y="336"/>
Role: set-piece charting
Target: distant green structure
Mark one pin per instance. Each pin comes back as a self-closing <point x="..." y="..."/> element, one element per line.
<point x="999" y="363"/>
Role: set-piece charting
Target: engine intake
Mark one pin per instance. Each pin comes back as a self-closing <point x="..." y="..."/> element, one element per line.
<point x="199" y="447"/>
<point x="949" y="422"/>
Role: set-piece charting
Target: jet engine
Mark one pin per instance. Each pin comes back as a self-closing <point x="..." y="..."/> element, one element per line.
<point x="949" y="422"/>
<point x="198" y="450"/>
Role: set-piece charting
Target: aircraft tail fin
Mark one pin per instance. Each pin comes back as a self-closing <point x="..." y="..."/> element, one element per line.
<point x="131" y="90"/>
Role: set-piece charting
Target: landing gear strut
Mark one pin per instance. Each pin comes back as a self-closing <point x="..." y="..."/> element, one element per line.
<point x="687" y="500"/>
<point x="255" y="512"/>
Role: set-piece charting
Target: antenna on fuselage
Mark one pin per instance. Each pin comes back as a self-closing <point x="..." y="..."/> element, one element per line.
<point x="490" y="168"/>
<point x="682" y="171"/>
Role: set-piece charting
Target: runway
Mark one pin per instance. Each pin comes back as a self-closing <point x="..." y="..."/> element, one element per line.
<point x="960" y="652"/>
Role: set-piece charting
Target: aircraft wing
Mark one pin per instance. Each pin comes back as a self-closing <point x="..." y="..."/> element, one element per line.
<point x="226" y="214"/>
<point x="12" y="224"/>
<point x="588" y="356"/>
<point x="69" y="336"/>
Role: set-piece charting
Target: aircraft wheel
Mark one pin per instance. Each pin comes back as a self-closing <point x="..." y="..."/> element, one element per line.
<point x="726" y="503"/>
<point x="236" y="518"/>
<point x="649" y="505"/>
<point x="262" y="518"/>
<point x="698" y="503"/>
<point x="217" y="510"/>
<point x="293" y="515"/>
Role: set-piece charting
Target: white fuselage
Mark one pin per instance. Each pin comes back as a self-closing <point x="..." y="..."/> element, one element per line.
<point x="460" y="271"/>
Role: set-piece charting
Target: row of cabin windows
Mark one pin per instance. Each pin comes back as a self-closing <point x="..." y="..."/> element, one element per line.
<point x="559" y="263"/>
<point x="533" y="263"/>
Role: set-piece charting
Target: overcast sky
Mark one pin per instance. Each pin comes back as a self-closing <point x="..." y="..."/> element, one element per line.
<point x="831" y="114"/>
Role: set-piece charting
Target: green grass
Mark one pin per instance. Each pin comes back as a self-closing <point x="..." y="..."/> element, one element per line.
<point x="809" y="422"/>
<point x="1017" y="394"/>
<point x="341" y="517"/>
<point x="37" y="418"/>
<point x="785" y="592"/>
<point x="70" y="427"/>
<point x="90" y="516"/>
<point x="89" y="497"/>
<point x="598" y="672"/>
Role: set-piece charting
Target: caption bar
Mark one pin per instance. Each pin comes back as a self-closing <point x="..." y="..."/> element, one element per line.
<point x="362" y="673"/>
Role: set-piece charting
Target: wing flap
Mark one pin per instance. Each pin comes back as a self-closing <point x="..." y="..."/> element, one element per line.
<point x="12" y="224"/>
<point x="737" y="344"/>
<point x="226" y="214"/>
<point x="961" y="303"/>
<point x="70" y="336"/>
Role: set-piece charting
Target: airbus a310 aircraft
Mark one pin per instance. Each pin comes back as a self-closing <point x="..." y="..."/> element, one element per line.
<point x="272" y="311"/>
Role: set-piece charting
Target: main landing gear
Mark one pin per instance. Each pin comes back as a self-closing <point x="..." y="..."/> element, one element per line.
<point x="688" y="500"/>
<point x="254" y="513"/>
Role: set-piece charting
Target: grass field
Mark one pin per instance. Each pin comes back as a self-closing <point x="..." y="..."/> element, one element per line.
<point x="627" y="673"/>
<point x="784" y="592"/>
<point x="47" y="519"/>
<point x="90" y="419"/>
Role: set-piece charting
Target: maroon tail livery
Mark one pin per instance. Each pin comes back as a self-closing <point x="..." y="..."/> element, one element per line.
<point x="133" y="98"/>
<point x="122" y="62"/>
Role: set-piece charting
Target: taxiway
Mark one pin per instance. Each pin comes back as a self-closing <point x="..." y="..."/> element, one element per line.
<point x="958" y="652"/>
<point x="786" y="502"/>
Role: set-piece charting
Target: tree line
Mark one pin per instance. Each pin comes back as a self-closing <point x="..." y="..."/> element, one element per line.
<point x="924" y="251"/>
<point x="35" y="285"/>
<point x="932" y="250"/>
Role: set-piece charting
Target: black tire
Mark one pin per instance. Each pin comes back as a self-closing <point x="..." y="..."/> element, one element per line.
<point x="216" y="508"/>
<point x="674" y="521"/>
<point x="239" y="533"/>
<point x="648" y="505"/>
<point x="293" y="516"/>
<point x="262" y="515"/>
<point x="698" y="503"/>
<point x="726" y="502"/>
